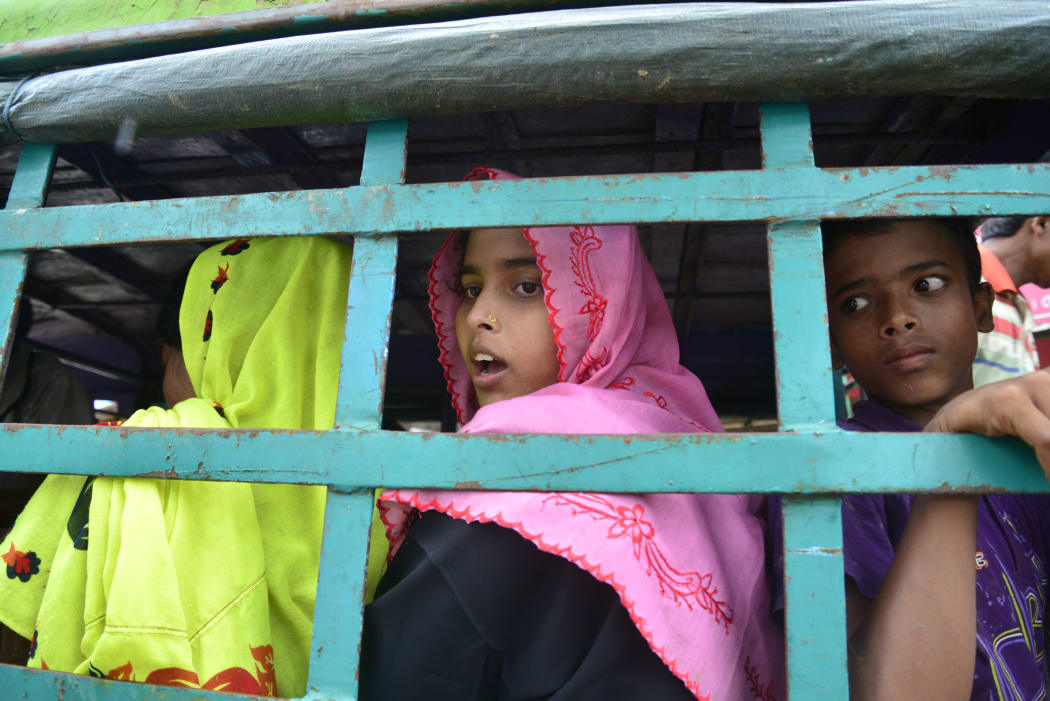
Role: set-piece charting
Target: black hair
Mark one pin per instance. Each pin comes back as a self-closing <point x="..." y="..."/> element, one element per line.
<point x="167" y="332"/>
<point x="961" y="230"/>
<point x="1001" y="227"/>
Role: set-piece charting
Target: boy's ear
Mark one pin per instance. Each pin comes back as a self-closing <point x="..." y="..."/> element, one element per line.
<point x="983" y="297"/>
<point x="1040" y="225"/>
<point x="837" y="362"/>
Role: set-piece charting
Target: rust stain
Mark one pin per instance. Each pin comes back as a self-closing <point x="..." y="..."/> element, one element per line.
<point x="472" y="484"/>
<point x="719" y="437"/>
<point x="945" y="172"/>
<point x="160" y="474"/>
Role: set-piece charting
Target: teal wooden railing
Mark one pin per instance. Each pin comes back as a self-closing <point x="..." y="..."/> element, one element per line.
<point x="810" y="460"/>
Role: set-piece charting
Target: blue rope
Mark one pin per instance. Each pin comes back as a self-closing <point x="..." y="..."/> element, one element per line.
<point x="5" y="114"/>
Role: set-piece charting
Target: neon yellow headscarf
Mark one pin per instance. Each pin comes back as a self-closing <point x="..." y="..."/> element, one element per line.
<point x="208" y="585"/>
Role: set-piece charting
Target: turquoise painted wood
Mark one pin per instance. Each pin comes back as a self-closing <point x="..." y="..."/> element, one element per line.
<point x="800" y="326"/>
<point x="21" y="684"/>
<point x="815" y="607"/>
<point x="360" y="400"/>
<point x="359" y="404"/>
<point x="336" y="644"/>
<point x="29" y="189"/>
<point x="811" y="462"/>
<point x="787" y="140"/>
<point x="814" y="598"/>
<point x="773" y="194"/>
<point x="805" y="462"/>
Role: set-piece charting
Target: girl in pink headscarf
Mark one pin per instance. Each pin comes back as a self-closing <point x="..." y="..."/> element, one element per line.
<point x="557" y="595"/>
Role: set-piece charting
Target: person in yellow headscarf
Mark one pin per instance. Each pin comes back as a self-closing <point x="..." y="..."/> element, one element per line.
<point x="206" y="585"/>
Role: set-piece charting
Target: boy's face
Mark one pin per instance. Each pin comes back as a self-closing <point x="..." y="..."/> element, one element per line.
<point x="904" y="317"/>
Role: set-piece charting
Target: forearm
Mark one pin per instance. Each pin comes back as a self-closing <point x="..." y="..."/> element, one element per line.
<point x="918" y="637"/>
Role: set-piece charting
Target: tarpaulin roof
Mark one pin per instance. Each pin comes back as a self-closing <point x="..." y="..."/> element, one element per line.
<point x="636" y="54"/>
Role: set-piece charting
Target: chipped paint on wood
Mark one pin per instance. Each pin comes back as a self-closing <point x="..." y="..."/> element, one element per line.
<point x="814" y="597"/>
<point x="794" y="194"/>
<point x="805" y="462"/>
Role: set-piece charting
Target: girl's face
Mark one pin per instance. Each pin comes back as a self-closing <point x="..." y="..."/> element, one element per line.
<point x="502" y="327"/>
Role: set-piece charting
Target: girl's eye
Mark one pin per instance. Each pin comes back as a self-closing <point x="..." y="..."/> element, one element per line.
<point x="854" y="304"/>
<point x="471" y="291"/>
<point x="930" y="284"/>
<point x="528" y="289"/>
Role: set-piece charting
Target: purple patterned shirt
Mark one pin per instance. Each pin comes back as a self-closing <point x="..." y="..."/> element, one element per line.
<point x="1013" y="535"/>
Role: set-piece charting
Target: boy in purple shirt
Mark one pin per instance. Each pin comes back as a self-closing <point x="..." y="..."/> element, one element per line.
<point x="945" y="594"/>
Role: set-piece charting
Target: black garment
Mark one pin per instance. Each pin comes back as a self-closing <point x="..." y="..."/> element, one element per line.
<point x="475" y="611"/>
<point x="39" y="389"/>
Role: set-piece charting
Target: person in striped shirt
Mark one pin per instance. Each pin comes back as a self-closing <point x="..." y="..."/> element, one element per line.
<point x="1014" y="252"/>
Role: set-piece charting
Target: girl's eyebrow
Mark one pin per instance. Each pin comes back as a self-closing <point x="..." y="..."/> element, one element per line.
<point x="506" y="264"/>
<point x="517" y="263"/>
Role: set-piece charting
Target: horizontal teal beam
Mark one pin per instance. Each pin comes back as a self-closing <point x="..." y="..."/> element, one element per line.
<point x="26" y="684"/>
<point x="771" y="194"/>
<point x="806" y="463"/>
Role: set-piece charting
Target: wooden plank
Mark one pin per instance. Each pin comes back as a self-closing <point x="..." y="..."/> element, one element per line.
<point x="814" y="592"/>
<point x="806" y="462"/>
<point x="359" y="404"/>
<point x="767" y="195"/>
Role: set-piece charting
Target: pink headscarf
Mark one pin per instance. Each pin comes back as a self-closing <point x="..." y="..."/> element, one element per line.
<point x="689" y="569"/>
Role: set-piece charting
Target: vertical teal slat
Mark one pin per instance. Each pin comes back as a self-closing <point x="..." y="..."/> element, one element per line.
<point x="786" y="137"/>
<point x="814" y="599"/>
<point x="813" y="572"/>
<point x="372" y="278"/>
<point x="28" y="189"/>
<point x="797" y="282"/>
<point x="336" y="647"/>
<point x="805" y="396"/>
<point x="340" y="589"/>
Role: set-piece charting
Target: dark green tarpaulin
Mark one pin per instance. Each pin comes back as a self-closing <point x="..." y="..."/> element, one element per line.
<point x="649" y="53"/>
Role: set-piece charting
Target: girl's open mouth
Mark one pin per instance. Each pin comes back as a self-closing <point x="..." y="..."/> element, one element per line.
<point x="487" y="371"/>
<point x="486" y="365"/>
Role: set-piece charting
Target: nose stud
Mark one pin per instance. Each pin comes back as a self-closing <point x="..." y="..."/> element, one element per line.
<point x="492" y="318"/>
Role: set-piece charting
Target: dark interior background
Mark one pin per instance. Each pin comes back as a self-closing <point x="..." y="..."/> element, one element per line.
<point x="96" y="307"/>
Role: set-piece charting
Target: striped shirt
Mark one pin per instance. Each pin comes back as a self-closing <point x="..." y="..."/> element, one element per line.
<point x="1009" y="349"/>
